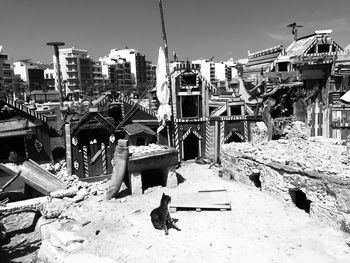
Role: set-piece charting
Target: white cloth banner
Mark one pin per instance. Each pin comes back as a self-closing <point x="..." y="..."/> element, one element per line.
<point x="163" y="94"/>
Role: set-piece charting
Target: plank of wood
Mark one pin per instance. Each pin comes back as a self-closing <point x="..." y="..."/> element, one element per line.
<point x="201" y="207"/>
<point x="204" y="199"/>
<point x="212" y="190"/>
<point x="40" y="179"/>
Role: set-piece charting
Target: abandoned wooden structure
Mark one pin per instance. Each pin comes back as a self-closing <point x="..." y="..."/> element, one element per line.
<point x="306" y="80"/>
<point x="24" y="133"/>
<point x="201" y="122"/>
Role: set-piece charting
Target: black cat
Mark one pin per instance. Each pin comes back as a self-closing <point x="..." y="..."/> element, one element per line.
<point x="160" y="216"/>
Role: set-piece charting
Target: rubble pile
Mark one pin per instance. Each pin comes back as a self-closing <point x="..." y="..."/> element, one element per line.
<point x="316" y="166"/>
<point x="326" y="156"/>
<point x="80" y="190"/>
<point x="259" y="133"/>
<point x="151" y="148"/>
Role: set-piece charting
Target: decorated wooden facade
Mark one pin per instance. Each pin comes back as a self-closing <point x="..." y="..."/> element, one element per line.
<point x="93" y="138"/>
<point x="201" y="124"/>
<point x="24" y="133"/>
<point x="91" y="142"/>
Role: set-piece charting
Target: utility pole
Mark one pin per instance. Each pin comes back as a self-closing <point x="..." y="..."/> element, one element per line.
<point x="59" y="84"/>
<point x="294" y="27"/>
<point x="166" y="53"/>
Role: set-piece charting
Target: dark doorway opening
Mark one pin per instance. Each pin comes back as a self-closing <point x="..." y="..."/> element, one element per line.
<point x="151" y="178"/>
<point x="191" y="147"/>
<point x="116" y="113"/>
<point x="234" y="138"/>
<point x="300" y="200"/>
<point x="255" y="178"/>
<point x="58" y="153"/>
<point x="12" y="149"/>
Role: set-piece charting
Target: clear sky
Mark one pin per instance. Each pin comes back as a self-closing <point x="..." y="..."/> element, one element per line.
<point x="195" y="28"/>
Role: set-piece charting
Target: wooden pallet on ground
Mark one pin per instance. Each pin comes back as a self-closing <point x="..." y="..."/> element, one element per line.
<point x="202" y="200"/>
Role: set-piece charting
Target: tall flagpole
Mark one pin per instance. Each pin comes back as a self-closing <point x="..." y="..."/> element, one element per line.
<point x="170" y="138"/>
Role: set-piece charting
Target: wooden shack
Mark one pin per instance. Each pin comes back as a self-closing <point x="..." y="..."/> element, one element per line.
<point x="91" y="141"/>
<point x="138" y="134"/>
<point x="24" y="133"/>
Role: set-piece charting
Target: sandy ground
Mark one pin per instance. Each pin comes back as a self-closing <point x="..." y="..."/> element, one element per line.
<point x="259" y="228"/>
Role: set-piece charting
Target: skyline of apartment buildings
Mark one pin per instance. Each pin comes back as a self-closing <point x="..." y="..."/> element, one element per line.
<point x="121" y="69"/>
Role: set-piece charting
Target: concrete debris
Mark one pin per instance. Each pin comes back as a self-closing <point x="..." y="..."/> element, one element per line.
<point x="54" y="209"/>
<point x="315" y="168"/>
<point x="136" y="150"/>
<point x="77" y="189"/>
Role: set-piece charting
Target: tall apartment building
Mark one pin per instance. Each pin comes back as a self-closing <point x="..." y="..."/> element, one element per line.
<point x="151" y="72"/>
<point x="118" y="72"/>
<point x="49" y="77"/>
<point x="6" y="71"/>
<point x="138" y="64"/>
<point x="76" y="69"/>
<point x="97" y="76"/>
<point x="30" y="73"/>
<point x="207" y="68"/>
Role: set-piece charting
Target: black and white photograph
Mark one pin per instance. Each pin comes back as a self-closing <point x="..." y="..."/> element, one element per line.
<point x="174" y="131"/>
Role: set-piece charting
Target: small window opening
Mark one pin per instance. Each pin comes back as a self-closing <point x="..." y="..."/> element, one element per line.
<point x="323" y="48"/>
<point x="255" y="178"/>
<point x="300" y="200"/>
<point x="283" y="66"/>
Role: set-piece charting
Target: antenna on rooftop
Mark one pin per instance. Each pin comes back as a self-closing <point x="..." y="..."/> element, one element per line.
<point x="294" y="27"/>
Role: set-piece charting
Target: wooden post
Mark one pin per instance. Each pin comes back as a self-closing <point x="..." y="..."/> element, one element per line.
<point x="68" y="149"/>
<point x="166" y="53"/>
<point x="25" y="147"/>
<point x="121" y="156"/>
<point x="104" y="163"/>
<point x="86" y="162"/>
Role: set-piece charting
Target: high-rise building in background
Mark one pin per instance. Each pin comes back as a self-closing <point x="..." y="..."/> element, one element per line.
<point x="97" y="76"/>
<point x="30" y="73"/>
<point x="207" y="68"/>
<point x="140" y="69"/>
<point x="6" y="70"/>
<point x="50" y="76"/>
<point x="76" y="69"/>
<point x="117" y="72"/>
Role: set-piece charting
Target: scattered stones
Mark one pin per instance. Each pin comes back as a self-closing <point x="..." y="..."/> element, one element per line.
<point x="54" y="208"/>
<point x="313" y="168"/>
<point x="137" y="150"/>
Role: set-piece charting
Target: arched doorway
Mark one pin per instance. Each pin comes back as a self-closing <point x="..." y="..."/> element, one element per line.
<point x="191" y="147"/>
<point x="234" y="138"/>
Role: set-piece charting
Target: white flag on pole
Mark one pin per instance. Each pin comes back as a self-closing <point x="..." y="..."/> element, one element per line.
<point x="163" y="94"/>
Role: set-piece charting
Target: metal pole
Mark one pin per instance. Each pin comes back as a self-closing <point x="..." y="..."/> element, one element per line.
<point x="167" y="68"/>
<point x="59" y="85"/>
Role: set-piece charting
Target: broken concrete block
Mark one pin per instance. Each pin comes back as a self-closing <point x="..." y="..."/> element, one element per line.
<point x="62" y="239"/>
<point x="54" y="209"/>
<point x="64" y="193"/>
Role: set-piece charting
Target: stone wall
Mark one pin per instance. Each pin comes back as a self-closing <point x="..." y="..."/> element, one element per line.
<point x="316" y="166"/>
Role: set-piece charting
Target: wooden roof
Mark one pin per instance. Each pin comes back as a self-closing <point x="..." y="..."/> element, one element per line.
<point x="262" y="61"/>
<point x="342" y="63"/>
<point x="22" y="108"/>
<point x="136" y="128"/>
